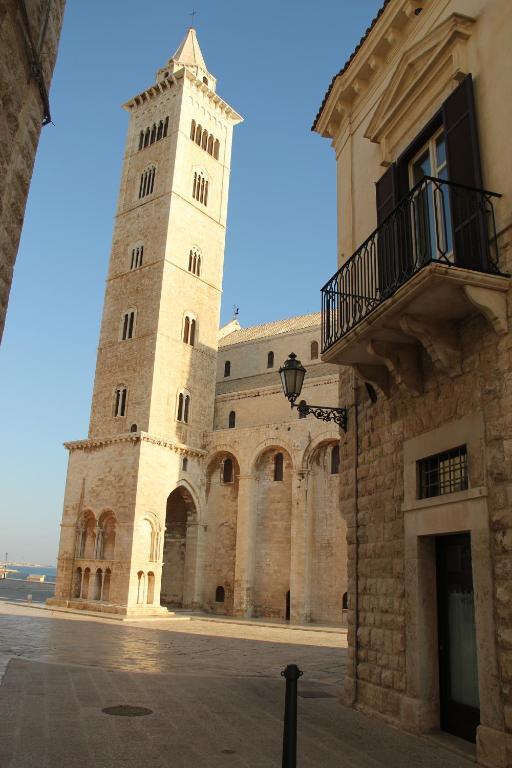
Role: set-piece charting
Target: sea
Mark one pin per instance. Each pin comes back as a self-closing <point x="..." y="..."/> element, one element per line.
<point x="22" y="571"/>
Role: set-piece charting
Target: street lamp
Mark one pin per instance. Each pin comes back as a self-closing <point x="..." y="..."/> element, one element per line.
<point x="292" y="374"/>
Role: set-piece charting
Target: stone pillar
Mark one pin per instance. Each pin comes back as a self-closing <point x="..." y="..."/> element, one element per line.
<point x="243" y="599"/>
<point x="191" y="598"/>
<point x="300" y="549"/>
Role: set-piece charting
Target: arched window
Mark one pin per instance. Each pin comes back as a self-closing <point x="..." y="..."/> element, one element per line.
<point x="200" y="187"/>
<point x="194" y="261"/>
<point x="192" y="337"/>
<point x="344" y="602"/>
<point x="227" y="369"/>
<point x="98" y="578"/>
<point x="133" y="428"/>
<point x="335" y="460"/>
<point x="184" y="464"/>
<point x="141" y="139"/>
<point x="147" y="137"/>
<point x="278" y="466"/>
<point x="210" y="145"/>
<point x="204" y="139"/>
<point x="147" y="182"/>
<point x="160" y="130"/>
<point x="189" y="330"/>
<point x="166" y="126"/>
<point x="314" y="350"/>
<point x="153" y="134"/>
<point x="128" y="325"/>
<point x="231" y="420"/>
<point x="186" y="329"/>
<point x="199" y="133"/>
<point x="137" y="256"/>
<point x="216" y="148"/>
<point x="270" y="360"/>
<point x="120" y="401"/>
<point x="227" y="471"/>
<point x="302" y="414"/>
<point x="205" y="80"/>
<point x="219" y="595"/>
<point x="141" y="586"/>
<point x="183" y="407"/>
<point x="193" y="130"/>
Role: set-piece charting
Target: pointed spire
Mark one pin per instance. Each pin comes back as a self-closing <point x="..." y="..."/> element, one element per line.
<point x="189" y="51"/>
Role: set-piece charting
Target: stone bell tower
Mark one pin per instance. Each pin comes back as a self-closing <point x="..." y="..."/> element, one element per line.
<point x="155" y="373"/>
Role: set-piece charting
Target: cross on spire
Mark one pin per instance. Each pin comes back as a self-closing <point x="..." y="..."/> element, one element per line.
<point x="192" y="14"/>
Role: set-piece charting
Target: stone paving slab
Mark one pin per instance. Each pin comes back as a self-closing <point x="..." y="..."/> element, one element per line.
<point x="214" y="688"/>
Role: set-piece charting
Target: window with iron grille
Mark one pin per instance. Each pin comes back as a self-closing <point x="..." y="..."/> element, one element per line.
<point x="443" y="473"/>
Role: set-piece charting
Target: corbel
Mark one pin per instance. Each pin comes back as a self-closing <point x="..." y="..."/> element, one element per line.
<point x="492" y="305"/>
<point x="374" y="374"/>
<point x="401" y="361"/>
<point x="441" y="341"/>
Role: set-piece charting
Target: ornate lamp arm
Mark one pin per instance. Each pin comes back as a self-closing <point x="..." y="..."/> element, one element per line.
<point x="338" y="415"/>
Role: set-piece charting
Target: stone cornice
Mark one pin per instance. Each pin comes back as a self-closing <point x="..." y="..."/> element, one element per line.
<point x="95" y="444"/>
<point x="166" y="84"/>
<point x="366" y="64"/>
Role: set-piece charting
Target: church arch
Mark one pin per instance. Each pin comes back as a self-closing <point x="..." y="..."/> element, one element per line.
<point x="180" y="515"/>
<point x="106" y="536"/>
<point x="86" y="535"/>
<point x="272" y="530"/>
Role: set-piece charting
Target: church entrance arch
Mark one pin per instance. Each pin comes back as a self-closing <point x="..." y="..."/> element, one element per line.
<point x="180" y="512"/>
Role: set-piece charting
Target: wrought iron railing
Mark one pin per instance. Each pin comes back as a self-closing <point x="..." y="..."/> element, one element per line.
<point x="437" y="222"/>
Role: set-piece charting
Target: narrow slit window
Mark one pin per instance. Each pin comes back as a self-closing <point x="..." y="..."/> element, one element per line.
<point x="231" y="420"/>
<point x="335" y="460"/>
<point x="227" y="369"/>
<point x="227" y="471"/>
<point x="270" y="360"/>
<point x="120" y="401"/>
<point x="128" y="325"/>
<point x="278" y="466"/>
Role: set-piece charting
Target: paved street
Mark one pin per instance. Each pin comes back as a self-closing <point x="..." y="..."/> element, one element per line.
<point x="213" y="687"/>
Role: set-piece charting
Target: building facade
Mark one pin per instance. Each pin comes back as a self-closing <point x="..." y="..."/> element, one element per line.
<point x="417" y="318"/>
<point x="197" y="486"/>
<point x="29" y="39"/>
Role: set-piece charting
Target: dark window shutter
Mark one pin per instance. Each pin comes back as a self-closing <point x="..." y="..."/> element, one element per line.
<point x="385" y="191"/>
<point x="470" y="241"/>
<point x="386" y="199"/>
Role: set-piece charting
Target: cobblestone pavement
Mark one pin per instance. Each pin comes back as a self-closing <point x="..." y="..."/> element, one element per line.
<point x="213" y="687"/>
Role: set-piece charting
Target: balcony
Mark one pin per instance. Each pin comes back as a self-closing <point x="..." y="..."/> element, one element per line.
<point x="433" y="262"/>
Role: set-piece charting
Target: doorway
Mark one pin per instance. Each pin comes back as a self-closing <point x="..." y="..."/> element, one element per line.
<point x="458" y="674"/>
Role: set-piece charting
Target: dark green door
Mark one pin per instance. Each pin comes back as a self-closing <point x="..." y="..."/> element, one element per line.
<point x="458" y="674"/>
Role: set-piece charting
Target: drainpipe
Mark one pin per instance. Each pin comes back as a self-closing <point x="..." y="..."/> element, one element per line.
<point x="355" y="592"/>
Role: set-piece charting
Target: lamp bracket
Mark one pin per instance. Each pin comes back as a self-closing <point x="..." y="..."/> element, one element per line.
<point x="338" y="415"/>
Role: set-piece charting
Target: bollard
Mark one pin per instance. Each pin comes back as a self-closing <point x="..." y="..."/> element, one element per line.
<point x="291" y="675"/>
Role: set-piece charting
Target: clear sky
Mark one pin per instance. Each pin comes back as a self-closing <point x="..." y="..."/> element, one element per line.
<point x="273" y="62"/>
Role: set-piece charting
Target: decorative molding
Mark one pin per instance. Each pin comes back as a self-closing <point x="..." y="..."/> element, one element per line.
<point x="134" y="437"/>
<point x="441" y="341"/>
<point x="492" y="305"/>
<point x="401" y="361"/>
<point x="427" y="66"/>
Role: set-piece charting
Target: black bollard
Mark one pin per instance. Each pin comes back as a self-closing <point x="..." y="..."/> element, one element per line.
<point x="291" y="675"/>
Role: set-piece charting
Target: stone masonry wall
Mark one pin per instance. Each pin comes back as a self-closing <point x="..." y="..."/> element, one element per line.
<point x="22" y="114"/>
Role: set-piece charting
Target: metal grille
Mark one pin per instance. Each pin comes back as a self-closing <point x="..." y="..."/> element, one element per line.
<point x="444" y="473"/>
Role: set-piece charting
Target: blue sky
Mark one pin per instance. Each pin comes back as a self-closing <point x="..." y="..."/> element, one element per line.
<point x="273" y="63"/>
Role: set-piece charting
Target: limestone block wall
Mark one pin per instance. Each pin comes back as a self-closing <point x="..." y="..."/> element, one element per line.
<point x="22" y="115"/>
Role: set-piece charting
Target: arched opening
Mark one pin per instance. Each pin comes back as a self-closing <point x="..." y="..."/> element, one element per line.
<point x="98" y="578"/>
<point x="88" y="540"/>
<point x="231" y="420"/>
<point x="192" y="335"/>
<point x="204" y="139"/>
<point x="344" y="602"/>
<point x="77" y="584"/>
<point x="314" y="350"/>
<point x="141" y="587"/>
<point x="210" y="145"/>
<point x="227" y="470"/>
<point x="106" y="586"/>
<point x="148" y="540"/>
<point x="216" y="148"/>
<point x="186" y="329"/>
<point x="335" y="460"/>
<point x="227" y="368"/>
<point x="106" y="536"/>
<point x="272" y="532"/>
<point x="199" y="132"/>
<point x="270" y="360"/>
<point x="151" y="588"/>
<point x="85" y="584"/>
<point x="180" y="511"/>
<point x="193" y="130"/>
<point x="219" y="595"/>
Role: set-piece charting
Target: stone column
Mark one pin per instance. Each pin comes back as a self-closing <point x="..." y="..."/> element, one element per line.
<point x="243" y="600"/>
<point x="300" y="549"/>
<point x="191" y="599"/>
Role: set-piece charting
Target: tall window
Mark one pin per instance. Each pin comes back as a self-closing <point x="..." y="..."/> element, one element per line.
<point x="137" y="256"/>
<point x="200" y="187"/>
<point x="194" y="261"/>
<point x="120" y="401"/>
<point x="232" y="420"/>
<point x="270" y="360"/>
<point x="153" y="133"/>
<point x="189" y="330"/>
<point x="278" y="466"/>
<point x="219" y="595"/>
<point x="183" y="407"/>
<point x="193" y="130"/>
<point x="227" y="369"/>
<point x="226" y="471"/>
<point x="335" y="460"/>
<point x="314" y="350"/>
<point x="128" y="325"/>
<point x="147" y="182"/>
<point x="204" y="139"/>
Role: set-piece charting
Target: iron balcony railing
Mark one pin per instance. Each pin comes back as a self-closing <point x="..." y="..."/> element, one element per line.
<point x="437" y="222"/>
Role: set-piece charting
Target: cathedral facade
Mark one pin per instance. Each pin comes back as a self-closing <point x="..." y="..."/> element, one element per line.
<point x="197" y="486"/>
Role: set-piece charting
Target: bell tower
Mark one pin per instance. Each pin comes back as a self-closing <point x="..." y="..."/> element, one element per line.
<point x="155" y="373"/>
